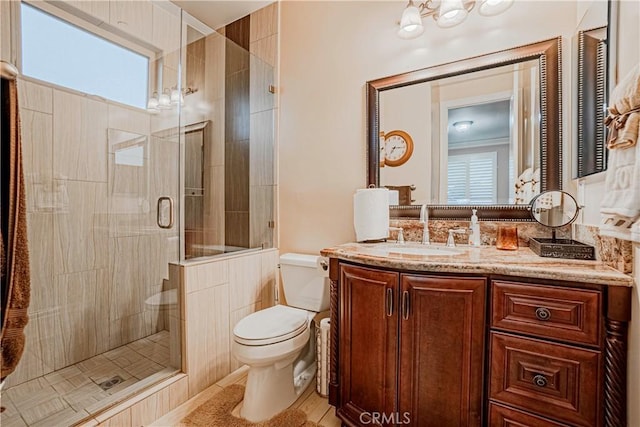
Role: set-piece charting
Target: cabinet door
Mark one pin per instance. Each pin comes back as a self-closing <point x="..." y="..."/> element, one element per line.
<point x="442" y="329"/>
<point x="368" y="343"/>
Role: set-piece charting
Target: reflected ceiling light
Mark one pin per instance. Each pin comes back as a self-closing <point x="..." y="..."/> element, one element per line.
<point x="176" y="96"/>
<point x="463" y="126"/>
<point x="152" y="104"/>
<point x="168" y="98"/>
<point x="446" y="13"/>
<point x="164" y="101"/>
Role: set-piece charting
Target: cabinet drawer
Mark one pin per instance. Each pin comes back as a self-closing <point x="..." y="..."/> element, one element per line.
<point x="553" y="380"/>
<point x="560" y="313"/>
<point x="503" y="416"/>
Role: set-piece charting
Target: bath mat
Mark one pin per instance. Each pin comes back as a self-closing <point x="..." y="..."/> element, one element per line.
<point x="216" y="412"/>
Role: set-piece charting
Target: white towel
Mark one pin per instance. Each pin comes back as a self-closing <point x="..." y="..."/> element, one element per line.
<point x="536" y="176"/>
<point x="624" y="111"/>
<point x="620" y="206"/>
<point x="536" y="188"/>
<point x="526" y="175"/>
<point x="527" y="192"/>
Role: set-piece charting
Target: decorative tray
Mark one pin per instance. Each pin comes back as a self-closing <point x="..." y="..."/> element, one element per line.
<point x="561" y="248"/>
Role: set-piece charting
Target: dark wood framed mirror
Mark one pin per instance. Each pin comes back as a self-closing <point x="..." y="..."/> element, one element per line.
<point x="544" y="63"/>
<point x="591" y="102"/>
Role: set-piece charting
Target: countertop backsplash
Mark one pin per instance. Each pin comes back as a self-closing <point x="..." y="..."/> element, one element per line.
<point x="439" y="231"/>
<point x="613" y="252"/>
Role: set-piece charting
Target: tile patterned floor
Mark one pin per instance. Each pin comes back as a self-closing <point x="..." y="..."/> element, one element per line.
<point x="311" y="403"/>
<point x="61" y="398"/>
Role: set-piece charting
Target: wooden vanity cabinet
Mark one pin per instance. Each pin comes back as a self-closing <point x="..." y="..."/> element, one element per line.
<point x="411" y="348"/>
<point x="428" y="349"/>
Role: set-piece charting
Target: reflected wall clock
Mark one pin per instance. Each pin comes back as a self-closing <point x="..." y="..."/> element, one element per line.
<point x="398" y="148"/>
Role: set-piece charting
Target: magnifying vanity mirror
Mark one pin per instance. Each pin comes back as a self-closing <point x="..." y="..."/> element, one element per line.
<point x="485" y="132"/>
<point x="556" y="209"/>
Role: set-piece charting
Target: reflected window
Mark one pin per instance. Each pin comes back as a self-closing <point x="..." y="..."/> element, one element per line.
<point x="472" y="178"/>
<point x="132" y="156"/>
<point x="57" y="52"/>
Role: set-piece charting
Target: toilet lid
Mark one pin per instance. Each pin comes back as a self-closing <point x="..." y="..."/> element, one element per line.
<point x="270" y="325"/>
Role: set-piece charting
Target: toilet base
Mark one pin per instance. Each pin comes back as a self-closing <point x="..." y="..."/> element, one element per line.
<point x="270" y="390"/>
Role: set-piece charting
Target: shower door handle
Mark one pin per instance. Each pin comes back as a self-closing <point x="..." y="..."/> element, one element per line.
<point x="162" y="201"/>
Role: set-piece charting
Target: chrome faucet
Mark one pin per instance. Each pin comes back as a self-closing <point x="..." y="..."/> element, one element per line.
<point x="424" y="220"/>
<point x="451" y="241"/>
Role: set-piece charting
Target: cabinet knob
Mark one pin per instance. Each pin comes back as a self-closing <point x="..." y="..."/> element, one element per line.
<point x="543" y="313"/>
<point x="540" y="381"/>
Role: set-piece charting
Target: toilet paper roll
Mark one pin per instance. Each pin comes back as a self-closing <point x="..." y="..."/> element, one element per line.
<point x="371" y="214"/>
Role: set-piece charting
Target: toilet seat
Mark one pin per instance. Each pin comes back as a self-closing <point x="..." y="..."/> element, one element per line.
<point x="270" y="326"/>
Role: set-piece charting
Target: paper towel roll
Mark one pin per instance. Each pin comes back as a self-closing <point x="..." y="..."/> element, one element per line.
<point x="394" y="197"/>
<point x="371" y="214"/>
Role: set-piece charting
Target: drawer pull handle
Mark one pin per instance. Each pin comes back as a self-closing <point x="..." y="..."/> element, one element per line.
<point x="389" y="302"/>
<point x="543" y="313"/>
<point x="540" y="381"/>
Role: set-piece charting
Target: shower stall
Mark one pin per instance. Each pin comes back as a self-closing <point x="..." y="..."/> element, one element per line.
<point x="118" y="188"/>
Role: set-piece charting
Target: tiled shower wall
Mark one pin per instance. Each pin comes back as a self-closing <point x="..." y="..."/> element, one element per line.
<point x="236" y="130"/>
<point x="217" y="294"/>
<point x="87" y="294"/>
<point x="237" y="206"/>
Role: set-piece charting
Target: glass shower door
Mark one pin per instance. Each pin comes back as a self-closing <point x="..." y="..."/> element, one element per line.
<point x="104" y="314"/>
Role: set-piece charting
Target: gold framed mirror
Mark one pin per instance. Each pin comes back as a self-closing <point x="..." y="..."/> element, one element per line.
<point x="541" y="61"/>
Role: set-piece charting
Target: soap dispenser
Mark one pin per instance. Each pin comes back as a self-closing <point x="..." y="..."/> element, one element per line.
<point x="474" y="232"/>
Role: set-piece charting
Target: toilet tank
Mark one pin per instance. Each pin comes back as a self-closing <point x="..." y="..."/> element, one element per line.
<point x="305" y="282"/>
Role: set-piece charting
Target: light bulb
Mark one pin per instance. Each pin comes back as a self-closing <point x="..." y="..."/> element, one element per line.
<point x="493" y="7"/>
<point x="410" y="23"/>
<point x="451" y="13"/>
<point x="175" y="96"/>
<point x="164" y="101"/>
<point x="152" y="104"/>
<point x="463" y="126"/>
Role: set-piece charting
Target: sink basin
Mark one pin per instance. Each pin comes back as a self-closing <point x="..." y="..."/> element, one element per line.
<point x="422" y="250"/>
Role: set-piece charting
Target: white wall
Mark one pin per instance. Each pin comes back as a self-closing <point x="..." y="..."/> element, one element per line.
<point x="591" y="190"/>
<point x="328" y="51"/>
<point x="409" y="109"/>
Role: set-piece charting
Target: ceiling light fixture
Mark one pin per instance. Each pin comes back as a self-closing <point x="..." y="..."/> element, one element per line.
<point x="446" y="13"/>
<point x="463" y="126"/>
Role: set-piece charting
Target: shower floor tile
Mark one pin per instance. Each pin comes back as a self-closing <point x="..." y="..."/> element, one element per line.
<point x="60" y="398"/>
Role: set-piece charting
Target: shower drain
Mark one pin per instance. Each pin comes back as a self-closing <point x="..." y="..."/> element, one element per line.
<point x="106" y="385"/>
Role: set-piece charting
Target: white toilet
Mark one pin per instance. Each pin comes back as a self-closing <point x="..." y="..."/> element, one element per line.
<point x="278" y="343"/>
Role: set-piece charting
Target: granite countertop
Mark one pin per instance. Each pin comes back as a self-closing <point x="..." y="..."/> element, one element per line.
<point x="482" y="260"/>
